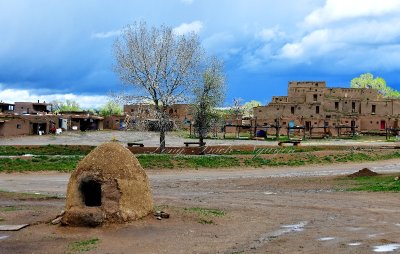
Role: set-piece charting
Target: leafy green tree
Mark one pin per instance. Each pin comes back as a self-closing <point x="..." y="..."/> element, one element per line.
<point x="367" y="80"/>
<point x="65" y="106"/>
<point x="111" y="108"/>
<point x="208" y="95"/>
<point x="248" y="107"/>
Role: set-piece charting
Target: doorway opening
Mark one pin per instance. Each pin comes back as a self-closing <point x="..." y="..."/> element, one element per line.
<point x="91" y="192"/>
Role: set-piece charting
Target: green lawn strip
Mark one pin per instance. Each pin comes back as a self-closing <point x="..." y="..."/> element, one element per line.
<point x="308" y="159"/>
<point x="39" y="163"/>
<point x="155" y="161"/>
<point x="83" y="246"/>
<point x="45" y="150"/>
<point x="168" y="161"/>
<point x="380" y="183"/>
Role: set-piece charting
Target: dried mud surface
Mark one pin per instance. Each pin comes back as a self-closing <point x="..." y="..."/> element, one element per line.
<point x="263" y="214"/>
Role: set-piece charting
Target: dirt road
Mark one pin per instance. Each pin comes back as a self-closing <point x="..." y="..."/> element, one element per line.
<point x="274" y="210"/>
<point x="56" y="183"/>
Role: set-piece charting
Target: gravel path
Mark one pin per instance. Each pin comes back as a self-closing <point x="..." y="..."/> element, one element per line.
<point x="152" y="139"/>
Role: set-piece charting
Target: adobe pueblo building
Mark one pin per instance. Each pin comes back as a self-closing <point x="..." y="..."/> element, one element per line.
<point x="108" y="186"/>
<point x="324" y="111"/>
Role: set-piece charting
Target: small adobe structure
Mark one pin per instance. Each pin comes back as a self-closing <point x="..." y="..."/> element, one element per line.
<point x="108" y="186"/>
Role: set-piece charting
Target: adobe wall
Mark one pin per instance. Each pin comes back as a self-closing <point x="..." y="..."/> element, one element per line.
<point x="113" y="122"/>
<point x="14" y="127"/>
<point x="354" y="93"/>
<point x="382" y="108"/>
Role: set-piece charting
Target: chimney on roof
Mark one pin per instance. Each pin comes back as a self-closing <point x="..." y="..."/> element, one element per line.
<point x="37" y="101"/>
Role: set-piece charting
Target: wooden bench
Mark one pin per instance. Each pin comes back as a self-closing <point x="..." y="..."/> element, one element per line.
<point x="135" y="144"/>
<point x="294" y="142"/>
<point x="193" y="143"/>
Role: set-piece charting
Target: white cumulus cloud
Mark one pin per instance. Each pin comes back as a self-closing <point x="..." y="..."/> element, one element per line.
<point x="341" y="29"/>
<point x="336" y="10"/>
<point x="184" y="28"/>
<point x="22" y="95"/>
<point x="269" y="34"/>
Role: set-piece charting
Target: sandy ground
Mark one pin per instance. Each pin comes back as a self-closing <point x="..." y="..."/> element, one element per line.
<point x="152" y="139"/>
<point x="271" y="210"/>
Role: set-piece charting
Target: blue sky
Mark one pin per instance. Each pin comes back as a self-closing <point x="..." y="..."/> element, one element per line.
<point x="53" y="49"/>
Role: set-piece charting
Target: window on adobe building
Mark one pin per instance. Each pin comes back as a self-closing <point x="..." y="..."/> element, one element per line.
<point x="336" y="105"/>
<point x="19" y="126"/>
<point x="292" y="110"/>
<point x="317" y="109"/>
<point x="315" y="97"/>
<point x="353" y="106"/>
<point x="131" y="110"/>
<point x="373" y="109"/>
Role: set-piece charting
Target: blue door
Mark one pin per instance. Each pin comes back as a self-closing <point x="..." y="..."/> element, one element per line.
<point x="291" y="124"/>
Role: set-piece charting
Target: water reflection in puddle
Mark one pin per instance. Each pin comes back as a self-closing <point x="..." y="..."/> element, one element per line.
<point x="387" y="247"/>
<point x="326" y="238"/>
<point x="285" y="229"/>
<point x="354" y="244"/>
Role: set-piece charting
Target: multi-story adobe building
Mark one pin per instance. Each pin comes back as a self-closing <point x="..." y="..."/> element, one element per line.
<point x="324" y="110"/>
<point x="179" y="113"/>
<point x="6" y="107"/>
<point x="32" y="108"/>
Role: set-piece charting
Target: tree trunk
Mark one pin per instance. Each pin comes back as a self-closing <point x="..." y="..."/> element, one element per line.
<point x="163" y="126"/>
<point x="162" y="140"/>
<point x="201" y="139"/>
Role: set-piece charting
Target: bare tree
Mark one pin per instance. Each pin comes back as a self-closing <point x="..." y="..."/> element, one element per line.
<point x="209" y="94"/>
<point x="237" y="108"/>
<point x="160" y="65"/>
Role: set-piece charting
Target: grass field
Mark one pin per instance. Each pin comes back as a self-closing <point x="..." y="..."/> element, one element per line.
<point x="65" y="158"/>
<point x="385" y="183"/>
<point x="46" y="150"/>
